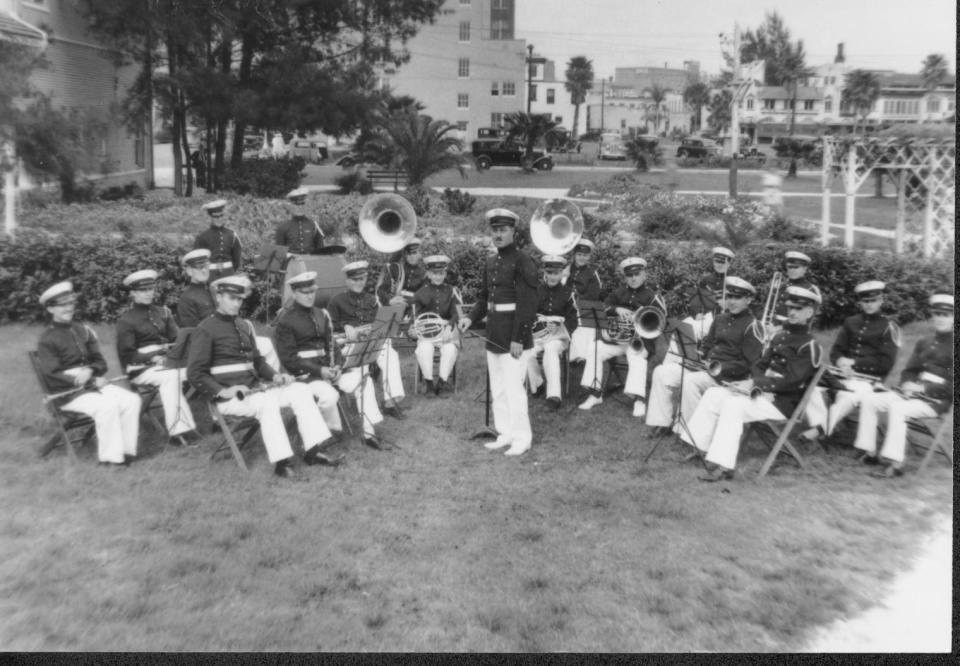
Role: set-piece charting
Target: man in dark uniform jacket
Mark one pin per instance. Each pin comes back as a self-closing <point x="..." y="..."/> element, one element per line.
<point x="402" y="276"/>
<point x="621" y="304"/>
<point x="780" y="377"/>
<point x="734" y="343"/>
<point x="222" y="242"/>
<point x="353" y="313"/>
<point x="556" y="319"/>
<point x="300" y="234"/>
<point x="440" y="299"/>
<point x="587" y="289"/>
<point x="304" y="342"/>
<point x="508" y="298"/>
<point x="226" y="367"/>
<point x="926" y="391"/>
<point x="703" y="300"/>
<point x="796" y="265"/>
<point x="70" y="358"/>
<point x="196" y="301"/>
<point x="145" y="333"/>
<point x="867" y="344"/>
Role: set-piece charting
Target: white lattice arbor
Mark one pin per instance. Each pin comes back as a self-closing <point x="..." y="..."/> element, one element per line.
<point x="923" y="171"/>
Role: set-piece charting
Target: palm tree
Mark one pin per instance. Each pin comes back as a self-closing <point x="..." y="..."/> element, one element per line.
<point x="658" y="97"/>
<point x="790" y="70"/>
<point x="528" y="128"/>
<point x="719" y="119"/>
<point x="934" y="71"/>
<point x="861" y="90"/>
<point x="418" y="145"/>
<point x="697" y="95"/>
<point x="579" y="81"/>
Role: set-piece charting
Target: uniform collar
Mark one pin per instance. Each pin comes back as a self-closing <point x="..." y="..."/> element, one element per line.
<point x="302" y="308"/>
<point x="795" y="328"/>
<point x="141" y="306"/>
<point x="870" y="317"/>
<point x="507" y="249"/>
<point x="62" y="324"/>
<point x="743" y="313"/>
<point x="224" y="317"/>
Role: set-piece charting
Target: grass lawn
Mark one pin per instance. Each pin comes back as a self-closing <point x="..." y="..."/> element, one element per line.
<point x="441" y="544"/>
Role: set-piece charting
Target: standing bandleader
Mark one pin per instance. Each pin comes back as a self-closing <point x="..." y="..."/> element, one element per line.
<point x="223" y="243"/>
<point x="508" y="298"/>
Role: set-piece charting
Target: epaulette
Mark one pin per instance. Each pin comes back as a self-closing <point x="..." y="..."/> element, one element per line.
<point x="816" y="352"/>
<point x="755" y="328"/>
<point x="91" y="334"/>
<point x="896" y="335"/>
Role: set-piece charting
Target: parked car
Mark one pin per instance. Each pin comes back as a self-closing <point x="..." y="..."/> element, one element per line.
<point x="612" y="148"/>
<point x="695" y="148"/>
<point x="498" y="152"/>
<point x="312" y="150"/>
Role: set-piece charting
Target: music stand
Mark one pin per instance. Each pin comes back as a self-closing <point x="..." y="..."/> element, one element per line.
<point x="270" y="261"/>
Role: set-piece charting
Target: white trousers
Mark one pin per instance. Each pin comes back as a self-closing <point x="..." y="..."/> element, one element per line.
<point x="508" y="398"/>
<point x="552" y="349"/>
<point x="581" y="342"/>
<point x="169" y="382"/>
<point x="448" y="358"/>
<point x="700" y="326"/>
<point x="636" y="382"/>
<point x="898" y="410"/>
<point x="327" y="398"/>
<point x="717" y="423"/>
<point x="365" y="396"/>
<point x="269" y="354"/>
<point x="818" y="414"/>
<point x="661" y="402"/>
<point x="116" y="417"/>
<point x="265" y="406"/>
<point x="389" y="363"/>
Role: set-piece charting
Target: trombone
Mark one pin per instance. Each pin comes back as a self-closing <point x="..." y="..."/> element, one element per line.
<point x="769" y="308"/>
<point x="753" y="393"/>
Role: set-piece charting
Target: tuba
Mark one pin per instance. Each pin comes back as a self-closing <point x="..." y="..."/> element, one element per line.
<point x="387" y="222"/>
<point x="556" y="226"/>
<point x="429" y="325"/>
<point x="619" y="330"/>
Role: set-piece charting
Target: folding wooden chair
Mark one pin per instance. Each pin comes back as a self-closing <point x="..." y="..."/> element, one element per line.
<point x="418" y="374"/>
<point x="245" y="428"/>
<point x="782" y="431"/>
<point x="150" y="402"/>
<point x="564" y="372"/>
<point x="940" y="431"/>
<point x="68" y="423"/>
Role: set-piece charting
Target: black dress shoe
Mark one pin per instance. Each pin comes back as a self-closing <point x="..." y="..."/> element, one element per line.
<point x="540" y="392"/>
<point x="115" y="465"/>
<point x="394" y="411"/>
<point x="867" y="459"/>
<point x="554" y="403"/>
<point x="718" y="474"/>
<point x="284" y="470"/>
<point x="374" y="442"/>
<point x="888" y="472"/>
<point x="442" y="386"/>
<point x="430" y="387"/>
<point x="317" y="457"/>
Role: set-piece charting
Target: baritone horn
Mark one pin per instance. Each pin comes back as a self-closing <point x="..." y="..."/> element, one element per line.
<point x="387" y="222"/>
<point x="556" y="226"/>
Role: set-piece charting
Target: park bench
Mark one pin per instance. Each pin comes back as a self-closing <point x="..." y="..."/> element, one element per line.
<point x="393" y="177"/>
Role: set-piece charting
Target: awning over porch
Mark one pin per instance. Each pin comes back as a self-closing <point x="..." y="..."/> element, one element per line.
<point x="16" y="30"/>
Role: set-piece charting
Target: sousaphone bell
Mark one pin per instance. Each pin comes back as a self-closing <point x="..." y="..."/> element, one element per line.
<point x="387" y="222"/>
<point x="556" y="226"/>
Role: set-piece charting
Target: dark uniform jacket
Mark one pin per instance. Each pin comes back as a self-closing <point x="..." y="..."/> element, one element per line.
<point x="195" y="304"/>
<point x="586" y="282"/>
<point x="736" y="342"/>
<point x="931" y="365"/>
<point x="140" y="327"/>
<point x="222" y="340"/>
<point x="300" y="235"/>
<point x="223" y="245"/>
<point x="509" y="276"/>
<point x="65" y="346"/>
<point x="558" y="301"/>
<point x="780" y="312"/>
<point x="414" y="277"/>
<point x="704" y="297"/>
<point x="871" y="341"/>
<point x="349" y="308"/>
<point x="787" y="365"/>
<point x="302" y="329"/>
<point x="633" y="300"/>
<point x="439" y="299"/>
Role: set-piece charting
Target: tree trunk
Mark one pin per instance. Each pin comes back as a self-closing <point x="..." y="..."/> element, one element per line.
<point x="576" y="122"/>
<point x="148" y="73"/>
<point x="226" y="49"/>
<point x="176" y="120"/>
<point x="243" y="77"/>
<point x="185" y="142"/>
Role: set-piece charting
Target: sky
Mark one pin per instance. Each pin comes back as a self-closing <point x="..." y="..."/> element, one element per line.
<point x="877" y="34"/>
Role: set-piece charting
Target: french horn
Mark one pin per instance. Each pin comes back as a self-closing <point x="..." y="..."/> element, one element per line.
<point x="556" y="226"/>
<point x="428" y="325"/>
<point x="387" y="222"/>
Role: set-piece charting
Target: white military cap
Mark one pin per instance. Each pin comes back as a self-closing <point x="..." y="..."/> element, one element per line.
<point x="737" y="286"/>
<point x="802" y="296"/>
<point x="869" y="288"/>
<point x="436" y="262"/>
<point x="195" y="258"/>
<point x="584" y="245"/>
<point x="58" y="294"/>
<point x="942" y="302"/>
<point x="552" y="261"/>
<point x="140" y="279"/>
<point x="298" y="195"/>
<point x="232" y="284"/>
<point x="632" y="265"/>
<point x="215" y="207"/>
<point x="501" y="217"/>
<point x="413" y="242"/>
<point x="793" y="255"/>
<point x="722" y="252"/>
<point x="305" y="279"/>
<point x="356" y="268"/>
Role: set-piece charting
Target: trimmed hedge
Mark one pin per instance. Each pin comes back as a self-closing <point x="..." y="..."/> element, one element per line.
<point x="270" y="177"/>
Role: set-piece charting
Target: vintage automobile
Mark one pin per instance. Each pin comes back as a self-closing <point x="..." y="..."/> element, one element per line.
<point x="503" y="152"/>
<point x="312" y="150"/>
<point x="612" y="147"/>
<point x="695" y="148"/>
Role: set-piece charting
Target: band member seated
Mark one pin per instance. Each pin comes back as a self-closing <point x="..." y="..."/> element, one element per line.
<point x="402" y="276"/>
<point x="729" y="351"/>
<point x="704" y="299"/>
<point x="434" y="324"/>
<point x="863" y="355"/>
<point x="223" y="243"/>
<point x="70" y="358"/>
<point x="622" y="304"/>
<point x="226" y="367"/>
<point x="353" y="313"/>
<point x="304" y="343"/>
<point x="556" y="318"/>
<point x="300" y="234"/>
<point x="796" y="265"/>
<point x="586" y="288"/>
<point x="508" y="299"/>
<point x="779" y="379"/>
<point x="145" y="333"/>
<point x="926" y="391"/>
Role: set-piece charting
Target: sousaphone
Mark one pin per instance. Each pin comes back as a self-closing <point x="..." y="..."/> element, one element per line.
<point x="387" y="222"/>
<point x="556" y="226"/>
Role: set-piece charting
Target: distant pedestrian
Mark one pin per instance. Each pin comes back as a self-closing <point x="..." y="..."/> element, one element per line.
<point x="772" y="185"/>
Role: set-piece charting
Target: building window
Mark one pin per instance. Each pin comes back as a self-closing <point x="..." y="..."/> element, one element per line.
<point x="789" y="104"/>
<point x="828" y="104"/>
<point x="496" y="119"/>
<point x="463" y="68"/>
<point x="500" y="4"/>
<point x="551" y="96"/>
<point x="509" y="89"/>
<point x="533" y="93"/>
<point x="464" y="2"/>
<point x="494" y="88"/>
<point x="464" y="31"/>
<point x="463" y="101"/>
<point x="139" y="150"/>
<point x="501" y="29"/>
<point x="558" y="120"/>
<point x="462" y="125"/>
<point x="933" y="105"/>
<point x="808" y="105"/>
<point x="750" y="104"/>
<point x="769" y="104"/>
